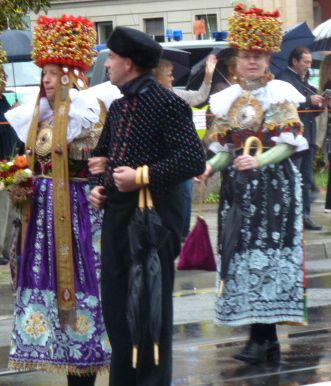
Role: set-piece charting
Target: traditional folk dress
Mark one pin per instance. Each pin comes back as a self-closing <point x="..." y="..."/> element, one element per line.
<point x="38" y="340"/>
<point x="264" y="283"/>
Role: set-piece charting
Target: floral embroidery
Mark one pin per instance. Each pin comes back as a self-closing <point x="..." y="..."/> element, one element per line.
<point x="38" y="341"/>
<point x="265" y="277"/>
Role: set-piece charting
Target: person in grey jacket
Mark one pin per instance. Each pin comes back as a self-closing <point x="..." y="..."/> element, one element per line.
<point x="164" y="75"/>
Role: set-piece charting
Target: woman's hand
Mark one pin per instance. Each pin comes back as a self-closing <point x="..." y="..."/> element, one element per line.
<point x="97" y="165"/>
<point x="246" y="162"/>
<point x="210" y="68"/>
<point x="207" y="173"/>
<point x="98" y="197"/>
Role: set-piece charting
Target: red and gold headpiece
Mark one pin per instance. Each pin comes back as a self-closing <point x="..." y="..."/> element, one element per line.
<point x="67" y="40"/>
<point x="255" y="29"/>
<point x="3" y="59"/>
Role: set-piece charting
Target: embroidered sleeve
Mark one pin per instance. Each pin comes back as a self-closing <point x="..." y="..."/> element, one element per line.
<point x="218" y="138"/>
<point x="184" y="153"/>
<point x="283" y="123"/>
<point x="101" y="150"/>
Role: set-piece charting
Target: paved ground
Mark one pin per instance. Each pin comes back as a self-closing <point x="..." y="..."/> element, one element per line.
<point x="202" y="351"/>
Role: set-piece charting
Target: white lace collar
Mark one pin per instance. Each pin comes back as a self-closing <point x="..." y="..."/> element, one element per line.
<point x="84" y="110"/>
<point x="274" y="92"/>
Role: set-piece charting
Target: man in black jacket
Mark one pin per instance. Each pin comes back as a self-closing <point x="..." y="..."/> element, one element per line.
<point x="149" y="126"/>
<point x="297" y="73"/>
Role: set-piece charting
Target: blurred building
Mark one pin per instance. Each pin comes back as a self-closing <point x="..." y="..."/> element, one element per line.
<point x="156" y="17"/>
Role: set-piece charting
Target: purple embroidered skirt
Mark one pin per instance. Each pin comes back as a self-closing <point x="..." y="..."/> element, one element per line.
<point x="38" y="342"/>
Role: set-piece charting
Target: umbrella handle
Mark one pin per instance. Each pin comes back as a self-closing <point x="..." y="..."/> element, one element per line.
<point x="134" y="356"/>
<point x="145" y="197"/>
<point x="248" y="145"/>
<point x="156" y="354"/>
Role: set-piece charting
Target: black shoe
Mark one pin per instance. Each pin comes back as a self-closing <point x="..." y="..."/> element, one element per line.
<point x="310" y="226"/>
<point x="273" y="351"/>
<point x="253" y="353"/>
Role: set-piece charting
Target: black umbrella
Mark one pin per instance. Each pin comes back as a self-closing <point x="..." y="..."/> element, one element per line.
<point x="17" y="44"/>
<point x="180" y="59"/>
<point x="145" y="236"/>
<point x="233" y="220"/>
<point x="322" y="35"/>
<point x="299" y="35"/>
<point x="137" y="246"/>
<point x="221" y="72"/>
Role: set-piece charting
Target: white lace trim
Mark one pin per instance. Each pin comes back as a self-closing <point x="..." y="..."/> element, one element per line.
<point x="299" y="142"/>
<point x="276" y="91"/>
<point x="216" y="147"/>
<point x="84" y="110"/>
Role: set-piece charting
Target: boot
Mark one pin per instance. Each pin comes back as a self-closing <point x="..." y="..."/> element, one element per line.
<point x="253" y="353"/>
<point x="272" y="351"/>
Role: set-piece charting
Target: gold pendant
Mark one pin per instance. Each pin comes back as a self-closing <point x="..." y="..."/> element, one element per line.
<point x="246" y="113"/>
<point x="44" y="142"/>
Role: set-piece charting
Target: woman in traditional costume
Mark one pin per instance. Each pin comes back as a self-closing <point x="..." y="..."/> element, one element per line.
<point x="58" y="322"/>
<point x="260" y="271"/>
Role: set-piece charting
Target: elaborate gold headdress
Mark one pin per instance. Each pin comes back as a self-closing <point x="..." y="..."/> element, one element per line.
<point x="67" y="40"/>
<point x="255" y="29"/>
<point x="3" y="59"/>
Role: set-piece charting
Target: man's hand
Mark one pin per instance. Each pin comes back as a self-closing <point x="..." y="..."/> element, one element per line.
<point x="98" y="197"/>
<point x="246" y="162"/>
<point x="125" y="179"/>
<point x="317" y="100"/>
<point x="203" y="177"/>
<point x="97" y="165"/>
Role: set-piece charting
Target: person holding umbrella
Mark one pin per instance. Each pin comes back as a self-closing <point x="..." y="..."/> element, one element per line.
<point x="151" y="130"/>
<point x="58" y="323"/>
<point x="164" y="74"/>
<point x="260" y="272"/>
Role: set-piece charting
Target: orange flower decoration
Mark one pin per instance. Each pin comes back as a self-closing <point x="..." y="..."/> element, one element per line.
<point x="21" y="162"/>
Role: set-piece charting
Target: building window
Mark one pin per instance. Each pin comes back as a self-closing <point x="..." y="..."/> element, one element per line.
<point x="104" y="29"/>
<point x="210" y="22"/>
<point x="155" y="28"/>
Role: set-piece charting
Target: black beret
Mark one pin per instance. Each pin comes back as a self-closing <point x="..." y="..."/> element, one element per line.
<point x="136" y="45"/>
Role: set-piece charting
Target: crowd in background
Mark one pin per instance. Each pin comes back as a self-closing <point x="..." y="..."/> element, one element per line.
<point x="143" y="139"/>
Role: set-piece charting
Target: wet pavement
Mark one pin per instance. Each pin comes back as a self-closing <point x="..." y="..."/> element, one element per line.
<point x="203" y="351"/>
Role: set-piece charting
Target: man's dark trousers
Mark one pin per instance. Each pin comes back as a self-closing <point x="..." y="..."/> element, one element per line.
<point x="114" y="290"/>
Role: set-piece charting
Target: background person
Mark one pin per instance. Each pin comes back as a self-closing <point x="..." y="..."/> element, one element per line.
<point x="268" y="243"/>
<point x="9" y="145"/>
<point x="58" y="322"/>
<point x="150" y="126"/>
<point x="325" y="84"/>
<point x="297" y="72"/>
<point x="164" y="75"/>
